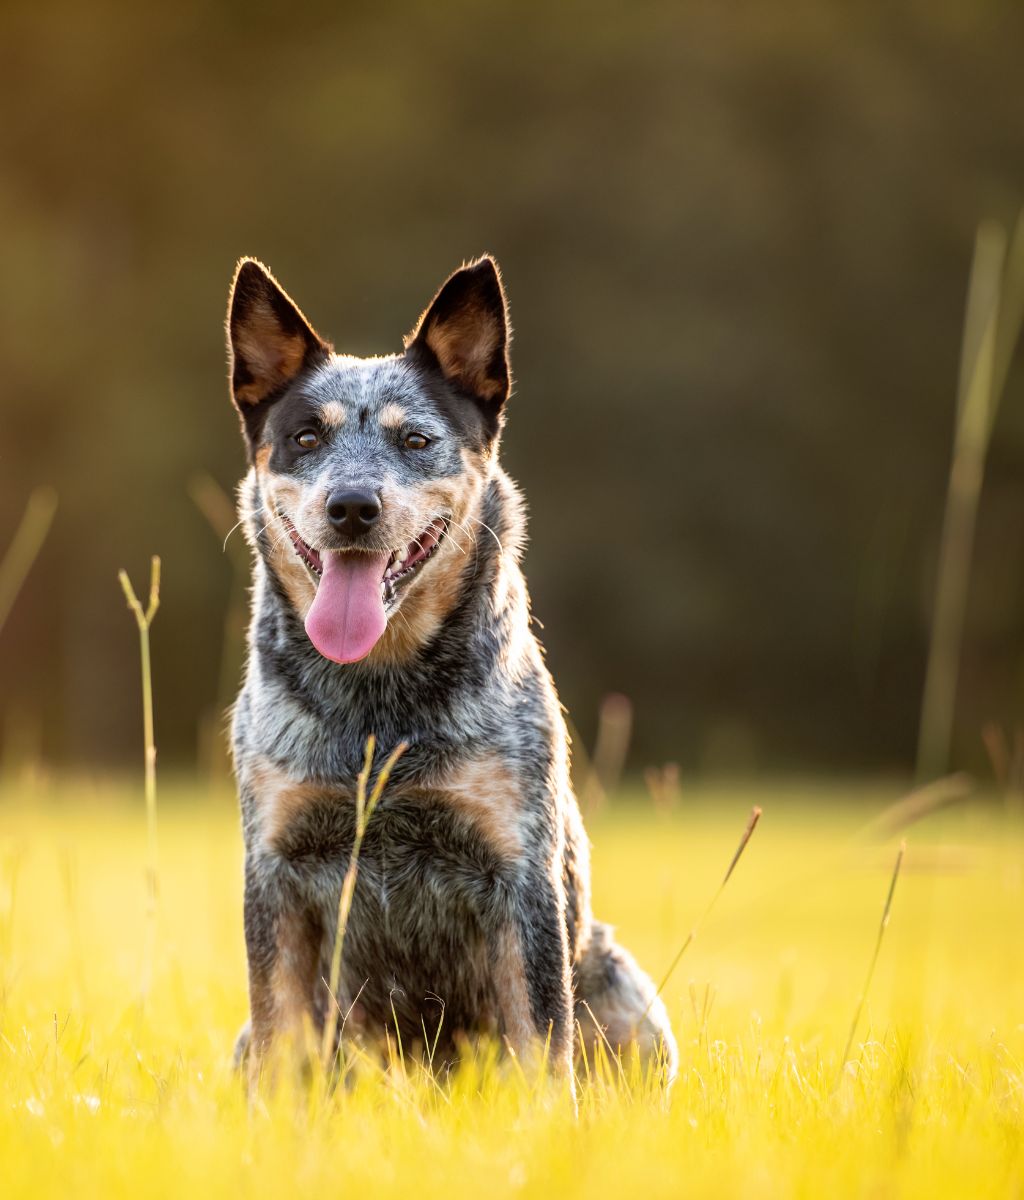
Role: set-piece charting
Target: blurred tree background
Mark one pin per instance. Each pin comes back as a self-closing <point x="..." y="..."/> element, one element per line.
<point x="736" y="239"/>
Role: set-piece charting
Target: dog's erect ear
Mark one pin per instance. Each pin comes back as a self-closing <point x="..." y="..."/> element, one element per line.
<point x="269" y="339"/>
<point x="466" y="330"/>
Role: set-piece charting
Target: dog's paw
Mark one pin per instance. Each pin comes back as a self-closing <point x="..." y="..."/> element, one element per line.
<point x="240" y="1057"/>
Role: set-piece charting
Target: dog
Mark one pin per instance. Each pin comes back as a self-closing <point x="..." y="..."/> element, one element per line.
<point x="388" y="600"/>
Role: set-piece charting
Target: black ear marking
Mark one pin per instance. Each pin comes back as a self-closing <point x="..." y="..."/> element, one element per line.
<point x="466" y="331"/>
<point x="269" y="340"/>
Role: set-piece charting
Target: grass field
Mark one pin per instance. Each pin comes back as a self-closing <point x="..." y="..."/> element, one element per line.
<point x="106" y="1092"/>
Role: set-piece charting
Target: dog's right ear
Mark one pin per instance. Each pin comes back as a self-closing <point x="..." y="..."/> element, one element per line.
<point x="269" y="341"/>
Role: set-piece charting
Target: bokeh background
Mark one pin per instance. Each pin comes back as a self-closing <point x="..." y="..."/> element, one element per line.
<point x="736" y="238"/>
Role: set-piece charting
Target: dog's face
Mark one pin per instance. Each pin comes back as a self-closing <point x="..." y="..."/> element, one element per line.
<point x="366" y="472"/>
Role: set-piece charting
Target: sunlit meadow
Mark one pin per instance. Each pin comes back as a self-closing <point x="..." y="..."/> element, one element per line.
<point x="850" y="1014"/>
<point x="107" y="1091"/>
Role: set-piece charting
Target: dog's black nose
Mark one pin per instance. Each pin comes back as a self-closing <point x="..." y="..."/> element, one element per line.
<point x="353" y="512"/>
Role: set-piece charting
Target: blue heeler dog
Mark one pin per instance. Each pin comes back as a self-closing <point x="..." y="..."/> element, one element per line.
<point x="388" y="600"/>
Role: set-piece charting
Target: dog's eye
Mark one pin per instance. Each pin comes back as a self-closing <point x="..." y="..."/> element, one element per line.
<point x="307" y="439"/>
<point x="416" y="441"/>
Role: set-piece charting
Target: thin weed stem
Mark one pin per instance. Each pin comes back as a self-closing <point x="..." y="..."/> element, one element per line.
<point x="874" y="960"/>
<point x="748" y="833"/>
<point x="25" y="546"/>
<point x="218" y="509"/>
<point x="365" y="807"/>
<point x="614" y="730"/>
<point x="144" y="619"/>
<point x="995" y="312"/>
<point x="608" y="1047"/>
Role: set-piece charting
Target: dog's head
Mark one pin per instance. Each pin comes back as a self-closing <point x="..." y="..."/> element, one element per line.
<point x="366" y="472"/>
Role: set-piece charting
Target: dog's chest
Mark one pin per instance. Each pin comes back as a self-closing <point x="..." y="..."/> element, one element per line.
<point x="477" y="815"/>
<point x="427" y="887"/>
<point x="428" y="857"/>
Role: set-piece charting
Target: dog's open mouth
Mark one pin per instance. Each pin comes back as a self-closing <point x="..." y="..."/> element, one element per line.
<point x="357" y="588"/>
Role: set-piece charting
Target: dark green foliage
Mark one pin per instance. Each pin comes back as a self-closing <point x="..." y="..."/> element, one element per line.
<point x="735" y="242"/>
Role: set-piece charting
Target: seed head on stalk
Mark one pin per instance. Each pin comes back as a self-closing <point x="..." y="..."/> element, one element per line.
<point x="144" y="619"/>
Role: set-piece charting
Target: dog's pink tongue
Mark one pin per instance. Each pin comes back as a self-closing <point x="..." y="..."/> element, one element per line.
<point x="347" y="615"/>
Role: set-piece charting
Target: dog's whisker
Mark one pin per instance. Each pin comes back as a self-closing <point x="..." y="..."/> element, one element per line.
<point x="472" y="540"/>
<point x="501" y="548"/>
<point x="259" y="532"/>
<point x="455" y="543"/>
<point x="468" y="532"/>
<point x="227" y="536"/>
<point x="405" y="621"/>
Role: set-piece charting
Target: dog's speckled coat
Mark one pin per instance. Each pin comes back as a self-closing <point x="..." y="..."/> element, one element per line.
<point x="472" y="910"/>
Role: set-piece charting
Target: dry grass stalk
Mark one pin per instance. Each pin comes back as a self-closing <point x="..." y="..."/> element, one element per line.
<point x="663" y="786"/>
<point x="918" y="804"/>
<point x="365" y="806"/>
<point x="997" y="748"/>
<point x="144" y="620"/>
<point x="874" y="959"/>
<point x="217" y="508"/>
<point x="748" y="833"/>
<point x="25" y="546"/>
<point x="614" y="730"/>
<point x="995" y="312"/>
<point x="1007" y="759"/>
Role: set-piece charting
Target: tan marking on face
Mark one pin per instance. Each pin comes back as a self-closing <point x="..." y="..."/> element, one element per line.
<point x="296" y="581"/>
<point x="393" y="416"/>
<point x="513" y="994"/>
<point x="280" y="494"/>
<point x="436" y="590"/>
<point x="424" y="610"/>
<point x="487" y="794"/>
<point x="272" y="356"/>
<point x="277" y="489"/>
<point x="332" y="413"/>
<point x="435" y="593"/>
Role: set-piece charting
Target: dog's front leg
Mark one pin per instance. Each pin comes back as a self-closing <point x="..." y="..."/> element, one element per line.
<point x="530" y="963"/>
<point x="283" y="942"/>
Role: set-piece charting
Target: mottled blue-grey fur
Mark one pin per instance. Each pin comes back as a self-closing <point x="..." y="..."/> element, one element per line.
<point x="472" y="910"/>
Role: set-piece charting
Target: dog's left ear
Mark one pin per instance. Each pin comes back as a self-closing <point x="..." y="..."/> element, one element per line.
<point x="466" y="331"/>
<point x="269" y="339"/>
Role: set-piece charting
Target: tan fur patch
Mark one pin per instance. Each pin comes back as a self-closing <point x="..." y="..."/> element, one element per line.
<point x="281" y="493"/>
<point x="465" y="348"/>
<point x="424" y="610"/>
<point x="279" y="798"/>
<point x="282" y="1004"/>
<point x="434" y="596"/>
<point x="513" y="994"/>
<point x="486" y="792"/>
<point x="431" y="597"/>
<point x="332" y="413"/>
<point x="271" y="355"/>
<point x="393" y="416"/>
<point x="294" y="975"/>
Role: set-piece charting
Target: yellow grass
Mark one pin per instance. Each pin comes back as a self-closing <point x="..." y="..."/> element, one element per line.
<point x="104" y="1093"/>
